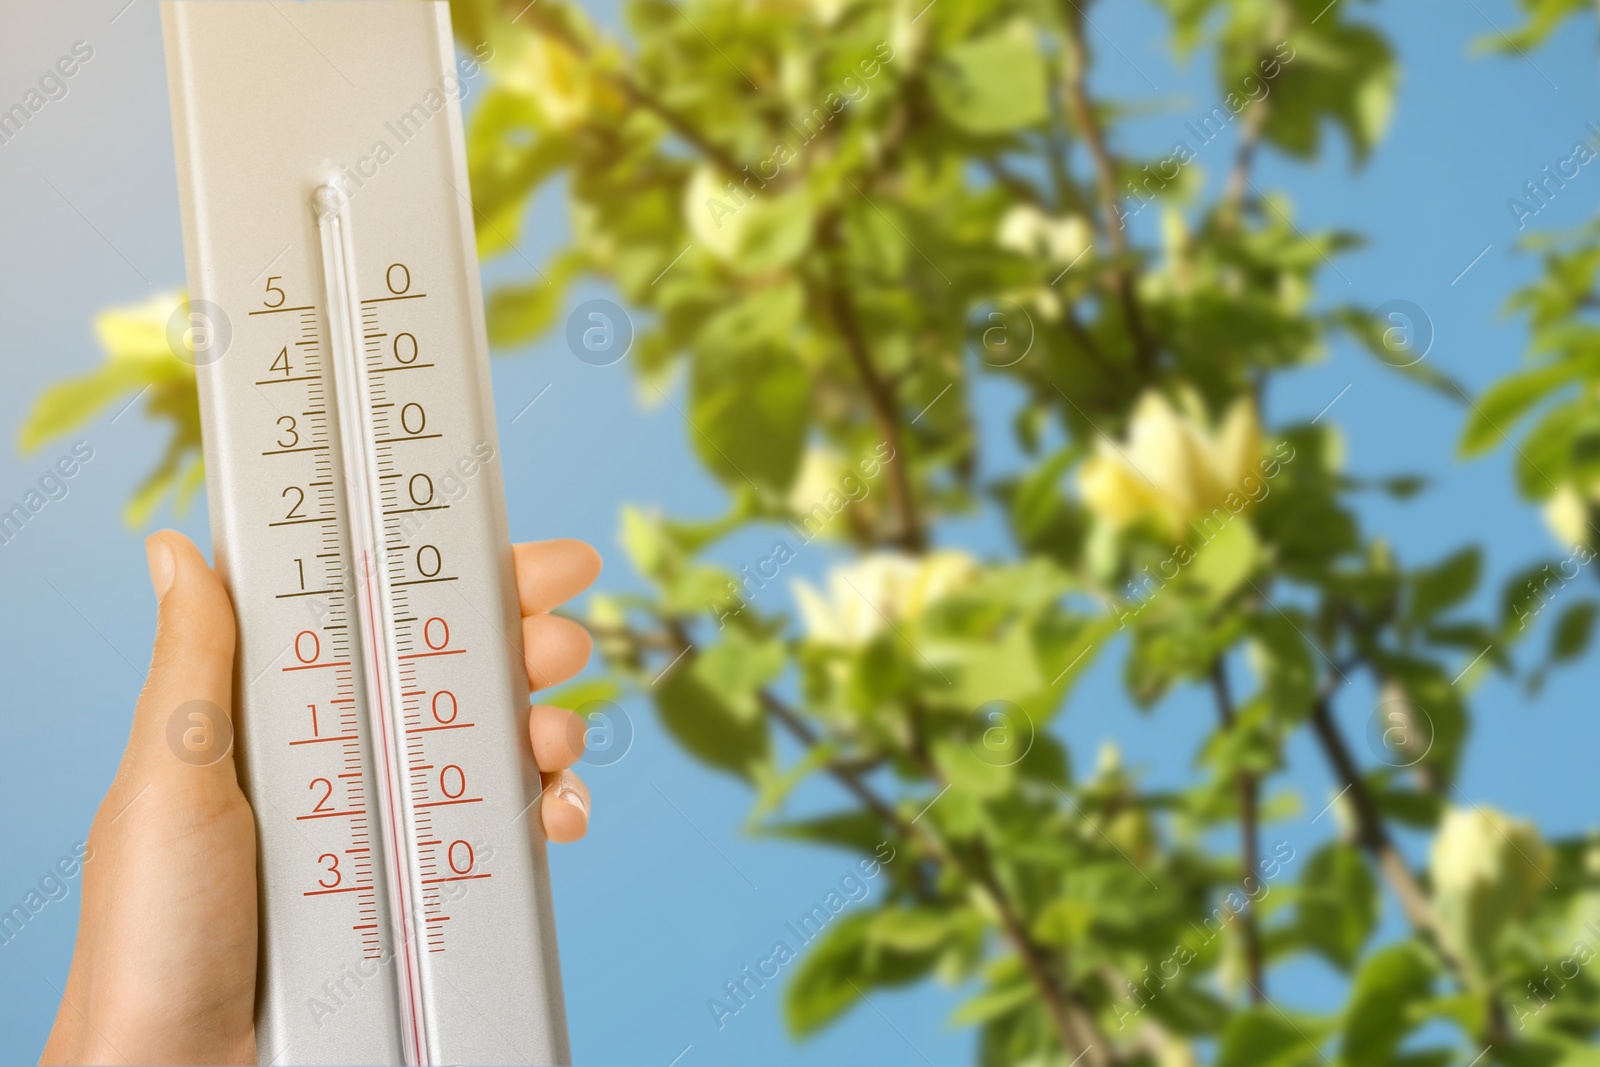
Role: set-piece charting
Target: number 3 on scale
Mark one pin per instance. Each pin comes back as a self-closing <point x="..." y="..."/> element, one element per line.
<point x="330" y="863"/>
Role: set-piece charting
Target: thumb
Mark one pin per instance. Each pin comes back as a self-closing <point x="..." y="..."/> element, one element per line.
<point x="186" y="708"/>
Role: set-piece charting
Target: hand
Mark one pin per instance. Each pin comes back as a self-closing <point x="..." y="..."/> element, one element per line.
<point x="164" y="970"/>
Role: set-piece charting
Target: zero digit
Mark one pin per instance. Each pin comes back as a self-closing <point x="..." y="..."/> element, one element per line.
<point x="426" y="555"/>
<point x="405" y="278"/>
<point x="406" y="418"/>
<point x="460" y="781"/>
<point x="422" y="496"/>
<point x="316" y="646"/>
<point x="450" y="856"/>
<point x="428" y="631"/>
<point x="410" y="349"/>
<point x="438" y="714"/>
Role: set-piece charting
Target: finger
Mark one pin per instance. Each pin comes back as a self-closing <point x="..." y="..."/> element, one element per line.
<point x="186" y="707"/>
<point x="550" y="573"/>
<point x="557" y="736"/>
<point x="565" y="808"/>
<point x="554" y="649"/>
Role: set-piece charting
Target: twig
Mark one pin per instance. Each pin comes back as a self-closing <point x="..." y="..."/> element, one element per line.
<point x="639" y="95"/>
<point x="1249" y="790"/>
<point x="1239" y="174"/>
<point x="1019" y="187"/>
<point x="1371" y="830"/>
<point x="1086" y="341"/>
<point x="1069" y="1020"/>
<point x="1373" y="835"/>
<point x="1077" y="95"/>
<point x="1250" y="136"/>
<point x="911" y="536"/>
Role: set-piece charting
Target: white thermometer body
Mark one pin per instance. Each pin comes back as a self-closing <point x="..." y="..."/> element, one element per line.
<point x="359" y="521"/>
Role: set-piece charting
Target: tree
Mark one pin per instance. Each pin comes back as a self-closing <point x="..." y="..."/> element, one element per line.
<point x="836" y="218"/>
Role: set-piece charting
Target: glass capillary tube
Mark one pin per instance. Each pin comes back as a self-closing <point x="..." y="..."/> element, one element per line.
<point x="364" y="507"/>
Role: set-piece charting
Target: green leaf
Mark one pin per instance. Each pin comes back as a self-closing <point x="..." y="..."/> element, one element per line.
<point x="1247" y="746"/>
<point x="737" y="666"/>
<point x="859" y="831"/>
<point x="748" y="413"/>
<point x="1550" y="1050"/>
<point x="994" y="84"/>
<point x="773" y="786"/>
<point x="1338" y="903"/>
<point x="912" y="929"/>
<point x="172" y="475"/>
<point x="1421" y="810"/>
<point x="704" y="723"/>
<point x="1264" y="1037"/>
<point x="1040" y="514"/>
<point x="829" y="977"/>
<point x="1330" y="70"/>
<point x="1573" y="630"/>
<point x="69" y="404"/>
<point x="1003" y="667"/>
<point x="644" y="539"/>
<point x="1223" y="563"/>
<point x="1496" y="412"/>
<point x="1440" y="715"/>
<point x="1544" y="17"/>
<point x="1436" y="589"/>
<point x="1190" y="1010"/>
<point x="1387" y="990"/>
<point x="769" y="315"/>
<point x="995" y="1003"/>
<point x="1521" y="597"/>
<point x="838" y="969"/>
<point x="1545" y="456"/>
<point x="576" y="694"/>
<point x="507" y="158"/>
<point x="519" y="313"/>
<point x="1286" y="665"/>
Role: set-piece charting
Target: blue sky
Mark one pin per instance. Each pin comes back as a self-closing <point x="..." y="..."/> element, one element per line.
<point x="664" y="902"/>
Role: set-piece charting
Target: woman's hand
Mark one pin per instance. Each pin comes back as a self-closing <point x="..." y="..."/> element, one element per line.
<point x="164" y="970"/>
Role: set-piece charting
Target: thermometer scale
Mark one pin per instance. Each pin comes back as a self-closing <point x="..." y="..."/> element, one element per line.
<point x="359" y="522"/>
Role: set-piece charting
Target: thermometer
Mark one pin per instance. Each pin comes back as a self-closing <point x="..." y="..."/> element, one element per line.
<point x="359" y="522"/>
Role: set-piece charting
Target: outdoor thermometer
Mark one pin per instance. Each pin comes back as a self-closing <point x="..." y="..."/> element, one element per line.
<point x="359" y="521"/>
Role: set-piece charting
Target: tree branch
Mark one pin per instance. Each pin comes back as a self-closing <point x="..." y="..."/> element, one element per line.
<point x="1250" y="137"/>
<point x="1017" y="186"/>
<point x="1106" y="180"/>
<point x="880" y="398"/>
<point x="1239" y="174"/>
<point x="1373" y="834"/>
<point x="1071" y="1021"/>
<point x="1371" y="831"/>
<point x="1069" y="319"/>
<point x="637" y="94"/>
<point x="1249" y="791"/>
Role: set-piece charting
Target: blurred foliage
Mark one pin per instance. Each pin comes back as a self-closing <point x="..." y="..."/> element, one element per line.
<point x="835" y="220"/>
<point x="140" y="364"/>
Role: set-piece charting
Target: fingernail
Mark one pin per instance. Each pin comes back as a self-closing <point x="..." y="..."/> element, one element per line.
<point x="573" y="797"/>
<point x="163" y="564"/>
